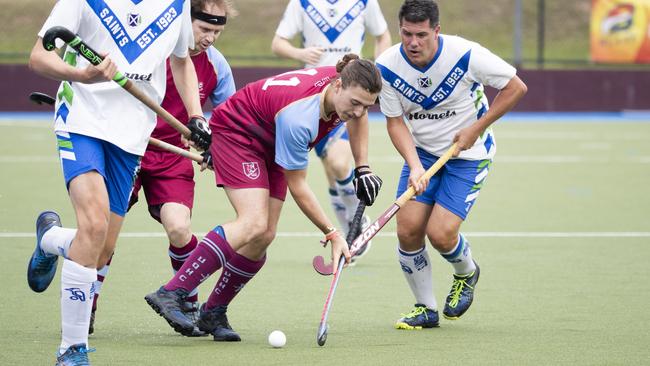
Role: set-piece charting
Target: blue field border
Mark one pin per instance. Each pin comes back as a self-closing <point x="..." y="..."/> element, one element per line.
<point x="623" y="116"/>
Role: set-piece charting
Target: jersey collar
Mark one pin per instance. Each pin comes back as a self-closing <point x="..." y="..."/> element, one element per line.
<point x="323" y="116"/>
<point x="433" y="61"/>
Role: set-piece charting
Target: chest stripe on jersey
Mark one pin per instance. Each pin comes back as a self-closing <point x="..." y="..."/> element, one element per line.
<point x="333" y="32"/>
<point x="442" y="91"/>
<point x="133" y="48"/>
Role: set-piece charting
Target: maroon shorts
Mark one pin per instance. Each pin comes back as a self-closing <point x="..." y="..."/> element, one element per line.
<point x="240" y="162"/>
<point x="164" y="177"/>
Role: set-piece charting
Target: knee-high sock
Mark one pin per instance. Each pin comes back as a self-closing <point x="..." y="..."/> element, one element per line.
<point x="178" y="257"/>
<point x="76" y="303"/>
<point x="101" y="276"/>
<point x="339" y="209"/>
<point x="416" y="267"/>
<point x="236" y="273"/>
<point x="461" y="257"/>
<point x="57" y="240"/>
<point x="210" y="255"/>
<point x="345" y="189"/>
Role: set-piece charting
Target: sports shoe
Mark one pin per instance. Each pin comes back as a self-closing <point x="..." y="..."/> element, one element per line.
<point x="461" y="295"/>
<point x="75" y="355"/>
<point x="192" y="309"/>
<point x="168" y="304"/>
<point x="215" y="322"/>
<point x="42" y="266"/>
<point x="91" y="326"/>
<point x="418" y="318"/>
<point x="364" y="249"/>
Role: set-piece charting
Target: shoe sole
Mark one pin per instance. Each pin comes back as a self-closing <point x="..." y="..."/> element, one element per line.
<point x="449" y="317"/>
<point x="226" y="339"/>
<point x="177" y="327"/>
<point x="404" y="326"/>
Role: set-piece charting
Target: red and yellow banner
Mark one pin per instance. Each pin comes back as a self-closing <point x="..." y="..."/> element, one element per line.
<point x="620" y="31"/>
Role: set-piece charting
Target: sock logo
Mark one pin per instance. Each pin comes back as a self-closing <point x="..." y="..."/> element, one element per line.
<point x="406" y="268"/>
<point x="420" y="262"/>
<point x="76" y="294"/>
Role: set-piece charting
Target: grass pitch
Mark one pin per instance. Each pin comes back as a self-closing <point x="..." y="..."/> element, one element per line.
<point x="561" y="232"/>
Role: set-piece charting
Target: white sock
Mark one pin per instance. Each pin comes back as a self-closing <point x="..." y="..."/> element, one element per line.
<point x="339" y="209"/>
<point x="461" y="257"/>
<point x="57" y="240"/>
<point x="77" y="293"/>
<point x="345" y="189"/>
<point x="417" y="271"/>
<point x="103" y="272"/>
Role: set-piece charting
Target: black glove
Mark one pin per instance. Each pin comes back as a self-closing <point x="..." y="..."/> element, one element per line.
<point x="207" y="159"/>
<point x="201" y="134"/>
<point x="366" y="184"/>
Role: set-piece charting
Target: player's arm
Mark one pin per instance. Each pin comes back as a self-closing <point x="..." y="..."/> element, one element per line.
<point x="382" y="43"/>
<point x="402" y="139"/>
<point x="283" y="48"/>
<point x="50" y="65"/>
<point x="504" y="101"/>
<point x="308" y="203"/>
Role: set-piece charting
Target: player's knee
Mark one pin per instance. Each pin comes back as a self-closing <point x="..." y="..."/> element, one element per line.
<point x="443" y="240"/>
<point x="256" y="230"/>
<point x="409" y="239"/>
<point x="93" y="227"/>
<point x="179" y="233"/>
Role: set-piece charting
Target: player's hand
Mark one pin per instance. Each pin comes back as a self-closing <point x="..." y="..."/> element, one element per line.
<point x="311" y="55"/>
<point x="339" y="247"/>
<point x="105" y="71"/>
<point x="414" y="179"/>
<point x="207" y="161"/>
<point x="201" y="136"/>
<point x="466" y="138"/>
<point x="366" y="184"/>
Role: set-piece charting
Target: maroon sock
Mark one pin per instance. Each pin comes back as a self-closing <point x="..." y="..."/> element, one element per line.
<point x="178" y="257"/>
<point x="210" y="255"/>
<point x="236" y="273"/>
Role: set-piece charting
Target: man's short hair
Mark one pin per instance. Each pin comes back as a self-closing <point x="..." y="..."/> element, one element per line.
<point x="416" y="11"/>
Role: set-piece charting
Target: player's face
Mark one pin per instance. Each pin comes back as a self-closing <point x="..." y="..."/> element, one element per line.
<point x="205" y="34"/>
<point x="419" y="41"/>
<point x="352" y="102"/>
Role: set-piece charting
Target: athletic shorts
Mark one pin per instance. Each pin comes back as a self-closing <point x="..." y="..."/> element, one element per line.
<point x="81" y="154"/>
<point x="164" y="177"/>
<point x="240" y="162"/>
<point x="455" y="186"/>
<point x="339" y="132"/>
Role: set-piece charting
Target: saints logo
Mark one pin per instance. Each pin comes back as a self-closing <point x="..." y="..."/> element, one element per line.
<point x="424" y="82"/>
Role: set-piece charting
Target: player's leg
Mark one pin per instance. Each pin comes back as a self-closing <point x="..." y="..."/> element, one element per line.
<point x="241" y="268"/>
<point x="412" y="252"/>
<point x="336" y="198"/>
<point x="461" y="183"/>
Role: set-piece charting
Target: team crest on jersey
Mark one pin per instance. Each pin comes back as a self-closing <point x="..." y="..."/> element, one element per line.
<point x="251" y="170"/>
<point x="133" y="20"/>
<point x="424" y="82"/>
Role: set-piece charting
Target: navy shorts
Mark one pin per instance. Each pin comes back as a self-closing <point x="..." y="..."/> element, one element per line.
<point x="81" y="154"/>
<point x="455" y="186"/>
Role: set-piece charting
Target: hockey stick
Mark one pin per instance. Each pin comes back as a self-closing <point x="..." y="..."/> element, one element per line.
<point x="42" y="98"/>
<point x="93" y="57"/>
<point x="355" y="228"/>
<point x="373" y="229"/>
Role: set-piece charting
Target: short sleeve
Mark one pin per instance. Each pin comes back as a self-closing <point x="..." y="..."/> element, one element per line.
<point x="489" y="69"/>
<point x="296" y="126"/>
<point x="375" y="21"/>
<point x="389" y="101"/>
<point x="225" y="81"/>
<point x="67" y="14"/>
<point x="186" y="36"/>
<point x="292" y="21"/>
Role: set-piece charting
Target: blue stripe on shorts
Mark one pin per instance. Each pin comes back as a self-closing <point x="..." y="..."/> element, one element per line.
<point x="335" y="134"/>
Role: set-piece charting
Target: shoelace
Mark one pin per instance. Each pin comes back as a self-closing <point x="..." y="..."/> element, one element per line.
<point x="456" y="290"/>
<point x="415" y="312"/>
<point x="43" y="262"/>
<point x="79" y="355"/>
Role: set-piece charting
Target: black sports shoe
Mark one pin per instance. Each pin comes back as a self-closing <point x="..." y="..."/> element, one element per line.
<point x="42" y="266"/>
<point x="192" y="310"/>
<point x="461" y="294"/>
<point x="420" y="317"/>
<point x="168" y="304"/>
<point x="215" y="322"/>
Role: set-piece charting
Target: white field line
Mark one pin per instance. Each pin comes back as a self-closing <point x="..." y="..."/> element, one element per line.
<point x="506" y="159"/>
<point x="475" y="234"/>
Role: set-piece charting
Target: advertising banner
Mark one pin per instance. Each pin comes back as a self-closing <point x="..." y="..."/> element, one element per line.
<point x="620" y="31"/>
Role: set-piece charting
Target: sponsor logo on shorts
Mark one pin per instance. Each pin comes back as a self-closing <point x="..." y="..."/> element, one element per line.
<point x="251" y="169"/>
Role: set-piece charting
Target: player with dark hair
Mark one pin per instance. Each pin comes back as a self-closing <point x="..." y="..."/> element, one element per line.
<point x="340" y="29"/>
<point x="435" y="83"/>
<point x="102" y="132"/>
<point x="167" y="179"/>
<point x="261" y="139"/>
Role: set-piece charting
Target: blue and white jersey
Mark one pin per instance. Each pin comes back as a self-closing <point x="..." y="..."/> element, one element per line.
<point x="139" y="36"/>
<point x="338" y="26"/>
<point x="445" y="96"/>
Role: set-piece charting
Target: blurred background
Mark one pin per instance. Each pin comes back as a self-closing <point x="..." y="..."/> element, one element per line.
<point x="596" y="52"/>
